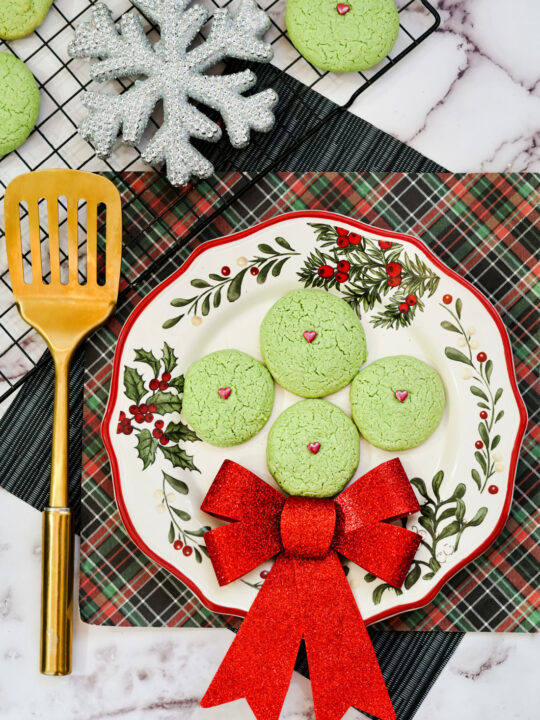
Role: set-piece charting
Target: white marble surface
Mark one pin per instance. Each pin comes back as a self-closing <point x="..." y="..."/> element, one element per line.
<point x="469" y="98"/>
<point x="161" y="674"/>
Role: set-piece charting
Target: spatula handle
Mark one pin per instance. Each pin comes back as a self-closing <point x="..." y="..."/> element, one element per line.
<point x="57" y="592"/>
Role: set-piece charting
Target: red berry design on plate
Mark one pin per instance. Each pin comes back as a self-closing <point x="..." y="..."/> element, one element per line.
<point x="342" y="231"/>
<point x="128" y="429"/>
<point x="342" y="277"/>
<point x="355" y="238"/>
<point x="344" y="265"/>
<point x="478" y="444"/>
<point x="166" y="376"/>
<point x="325" y="271"/>
<point x="411" y="300"/>
<point x="164" y="439"/>
<point x="447" y="299"/>
<point x="133" y="409"/>
<point x="254" y="271"/>
<point x="481" y="357"/>
<point x="152" y="408"/>
<point x="119" y="429"/>
<point x="264" y="574"/>
<point x="178" y="544"/>
<point x="157" y="433"/>
<point x="483" y="415"/>
<point x="139" y="417"/>
<point x="225" y="271"/>
<point x="154" y="384"/>
<point x="394" y="281"/>
<point x="403" y="308"/>
<point x="493" y="489"/>
<point x="385" y="244"/>
<point x="187" y="550"/>
<point x="163" y="385"/>
<point x="342" y="242"/>
<point x="143" y="408"/>
<point x="149" y="417"/>
<point x="159" y="424"/>
<point x="122" y="415"/>
<point x="393" y="269"/>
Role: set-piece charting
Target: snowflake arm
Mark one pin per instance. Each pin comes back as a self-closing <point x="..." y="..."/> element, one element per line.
<point x="236" y="36"/>
<point x="240" y="114"/>
<point x="121" y="54"/>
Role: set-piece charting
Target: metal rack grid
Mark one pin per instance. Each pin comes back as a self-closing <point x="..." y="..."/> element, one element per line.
<point x="55" y="143"/>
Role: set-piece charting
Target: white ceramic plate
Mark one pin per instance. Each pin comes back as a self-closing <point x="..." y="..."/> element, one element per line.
<point x="410" y="303"/>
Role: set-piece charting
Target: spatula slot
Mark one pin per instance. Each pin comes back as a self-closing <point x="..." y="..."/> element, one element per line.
<point x="101" y="243"/>
<point x="81" y="240"/>
<point x="25" y="243"/>
<point x="63" y="239"/>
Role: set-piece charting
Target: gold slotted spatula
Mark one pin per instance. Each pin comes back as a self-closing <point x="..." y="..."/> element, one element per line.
<point x="63" y="314"/>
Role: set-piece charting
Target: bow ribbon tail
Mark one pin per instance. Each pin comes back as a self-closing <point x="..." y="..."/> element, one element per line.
<point x="259" y="664"/>
<point x="343" y="666"/>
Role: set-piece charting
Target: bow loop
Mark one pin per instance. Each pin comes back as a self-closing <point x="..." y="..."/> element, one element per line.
<point x="239" y="547"/>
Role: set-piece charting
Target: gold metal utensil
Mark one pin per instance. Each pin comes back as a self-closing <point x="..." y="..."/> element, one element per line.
<point x="63" y="314"/>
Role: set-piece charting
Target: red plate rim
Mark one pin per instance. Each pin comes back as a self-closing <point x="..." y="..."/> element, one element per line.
<point x="334" y="217"/>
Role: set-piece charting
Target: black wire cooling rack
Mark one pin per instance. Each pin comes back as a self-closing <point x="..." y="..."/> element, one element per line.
<point x="56" y="143"/>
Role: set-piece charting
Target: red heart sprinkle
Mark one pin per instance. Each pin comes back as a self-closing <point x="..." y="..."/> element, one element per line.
<point x="310" y="335"/>
<point x="224" y="392"/>
<point x="342" y="8"/>
<point x="402" y="395"/>
<point x="314" y="447"/>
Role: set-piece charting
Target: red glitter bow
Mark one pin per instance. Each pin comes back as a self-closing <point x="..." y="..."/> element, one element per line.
<point x="306" y="593"/>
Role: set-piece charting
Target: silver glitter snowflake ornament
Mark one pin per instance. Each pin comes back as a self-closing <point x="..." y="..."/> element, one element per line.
<point x="172" y="72"/>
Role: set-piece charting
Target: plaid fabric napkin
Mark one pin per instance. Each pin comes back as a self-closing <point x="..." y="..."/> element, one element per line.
<point x="485" y="227"/>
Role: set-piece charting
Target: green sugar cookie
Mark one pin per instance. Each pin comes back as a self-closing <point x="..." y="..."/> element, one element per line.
<point x="228" y="397"/>
<point x="397" y="402"/>
<point x="19" y="102"/>
<point x="313" y="449"/>
<point x="312" y="342"/>
<point x="18" y="18"/>
<point x="342" y="37"/>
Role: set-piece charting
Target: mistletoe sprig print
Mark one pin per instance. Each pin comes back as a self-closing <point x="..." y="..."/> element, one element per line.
<point x="190" y="542"/>
<point x="228" y="286"/>
<point x="481" y="369"/>
<point x="366" y="272"/>
<point x="153" y="401"/>
<point x="440" y="519"/>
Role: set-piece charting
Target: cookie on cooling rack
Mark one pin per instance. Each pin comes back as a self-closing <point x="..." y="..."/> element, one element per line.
<point x="342" y="36"/>
<point x="19" y="102"/>
<point x="18" y="18"/>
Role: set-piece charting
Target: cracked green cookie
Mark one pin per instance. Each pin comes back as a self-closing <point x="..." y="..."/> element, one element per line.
<point x="18" y="18"/>
<point x="397" y="402"/>
<point x="228" y="397"/>
<point x="342" y="36"/>
<point x="313" y="449"/>
<point x="19" y="102"/>
<point x="312" y="342"/>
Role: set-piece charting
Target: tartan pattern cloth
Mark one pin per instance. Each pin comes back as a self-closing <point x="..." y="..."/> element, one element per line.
<point x="484" y="226"/>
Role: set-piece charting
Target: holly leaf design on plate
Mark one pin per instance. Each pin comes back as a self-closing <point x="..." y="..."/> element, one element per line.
<point x="133" y="384"/>
<point x="177" y="383"/>
<point x="178" y="457"/>
<point x="146" y="447"/>
<point x="178" y="485"/>
<point x="169" y="358"/>
<point x="165" y="402"/>
<point x="148" y="357"/>
<point x="180" y="431"/>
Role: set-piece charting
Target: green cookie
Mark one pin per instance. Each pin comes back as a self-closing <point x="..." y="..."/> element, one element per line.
<point x="397" y="402"/>
<point x="228" y="397"/>
<point x="19" y="102"/>
<point x="313" y="449"/>
<point x="355" y="39"/>
<point x="18" y="18"/>
<point x="312" y="342"/>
